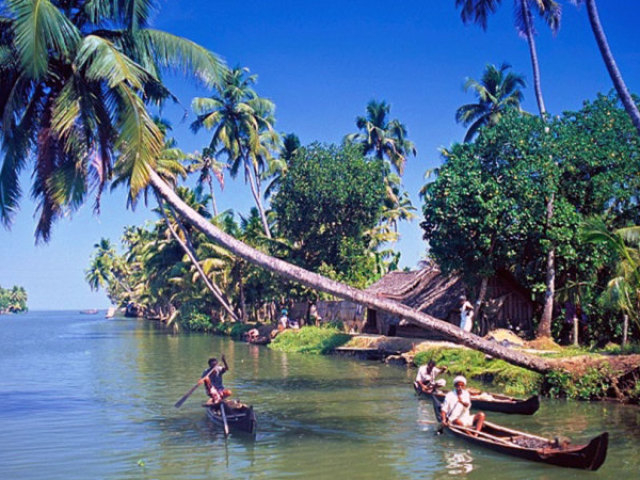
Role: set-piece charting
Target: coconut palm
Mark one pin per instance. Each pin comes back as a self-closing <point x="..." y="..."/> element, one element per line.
<point x="610" y="62"/>
<point x="497" y="91"/>
<point x="74" y="78"/>
<point x="208" y="167"/>
<point x="278" y="165"/>
<point x="242" y="129"/>
<point x="383" y="137"/>
<point x="623" y="289"/>
<point x="478" y="11"/>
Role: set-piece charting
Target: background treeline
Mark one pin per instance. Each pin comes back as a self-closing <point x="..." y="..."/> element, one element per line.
<point x="13" y="300"/>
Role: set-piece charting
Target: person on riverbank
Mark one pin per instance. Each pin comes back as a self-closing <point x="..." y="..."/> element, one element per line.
<point x="212" y="379"/>
<point x="283" y="322"/>
<point x="455" y="409"/>
<point x="466" y="315"/>
<point x="426" y="377"/>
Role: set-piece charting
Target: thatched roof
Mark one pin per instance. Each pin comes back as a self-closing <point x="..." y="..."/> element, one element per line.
<point x="425" y="290"/>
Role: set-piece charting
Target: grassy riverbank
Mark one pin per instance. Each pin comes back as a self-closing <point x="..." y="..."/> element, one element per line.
<point x="315" y="340"/>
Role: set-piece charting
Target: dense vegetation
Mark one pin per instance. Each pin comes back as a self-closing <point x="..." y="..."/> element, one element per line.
<point x="553" y="200"/>
<point x="13" y="300"/>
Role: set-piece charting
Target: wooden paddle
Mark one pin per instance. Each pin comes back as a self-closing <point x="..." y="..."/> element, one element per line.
<point x="193" y="389"/>
<point x="224" y="419"/>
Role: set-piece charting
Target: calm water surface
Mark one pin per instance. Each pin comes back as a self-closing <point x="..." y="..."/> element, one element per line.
<point x="84" y="397"/>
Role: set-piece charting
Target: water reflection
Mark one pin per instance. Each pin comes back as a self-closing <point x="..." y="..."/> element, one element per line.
<point x="459" y="463"/>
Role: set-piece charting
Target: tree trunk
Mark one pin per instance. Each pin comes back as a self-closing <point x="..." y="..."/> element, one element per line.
<point x="318" y="282"/>
<point x="188" y="249"/>
<point x="625" y="327"/>
<point x="214" y="206"/>
<point x="544" y="328"/>
<point x="612" y="67"/>
<point x="477" y="308"/>
<point x="253" y="183"/>
<point x="576" y="322"/>
<point x="526" y="13"/>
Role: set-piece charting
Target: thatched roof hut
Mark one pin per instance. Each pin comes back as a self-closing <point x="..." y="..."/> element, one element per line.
<point x="507" y="305"/>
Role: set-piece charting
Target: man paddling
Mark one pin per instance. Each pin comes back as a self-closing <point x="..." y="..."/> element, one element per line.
<point x="426" y="377"/>
<point x="455" y="409"/>
<point x="213" y="381"/>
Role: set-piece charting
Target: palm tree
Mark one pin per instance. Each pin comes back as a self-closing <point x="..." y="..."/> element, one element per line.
<point x="208" y="167"/>
<point x="109" y="68"/>
<point x="384" y="137"/>
<point x="623" y="289"/>
<point x="610" y="62"/>
<point x="242" y="129"/>
<point x="497" y="91"/>
<point x="74" y="78"/>
<point x="478" y="11"/>
<point x="278" y="165"/>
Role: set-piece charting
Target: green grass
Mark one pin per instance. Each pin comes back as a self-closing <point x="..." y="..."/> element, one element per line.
<point x="313" y="340"/>
<point x="514" y="380"/>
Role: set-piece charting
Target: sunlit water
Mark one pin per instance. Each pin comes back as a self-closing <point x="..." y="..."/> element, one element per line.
<point x="82" y="397"/>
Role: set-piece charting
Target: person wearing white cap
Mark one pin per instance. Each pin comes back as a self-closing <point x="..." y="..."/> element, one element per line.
<point x="455" y="409"/>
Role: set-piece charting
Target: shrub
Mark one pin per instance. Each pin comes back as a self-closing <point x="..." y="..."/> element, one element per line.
<point x="314" y="340"/>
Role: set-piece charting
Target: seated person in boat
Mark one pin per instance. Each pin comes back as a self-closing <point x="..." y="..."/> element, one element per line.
<point x="426" y="377"/>
<point x="294" y="324"/>
<point x="455" y="409"/>
<point x="252" y="335"/>
<point x="213" y="381"/>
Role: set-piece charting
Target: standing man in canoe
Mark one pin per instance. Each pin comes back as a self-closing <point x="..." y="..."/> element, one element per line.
<point x="426" y="377"/>
<point x="455" y="409"/>
<point x="213" y="381"/>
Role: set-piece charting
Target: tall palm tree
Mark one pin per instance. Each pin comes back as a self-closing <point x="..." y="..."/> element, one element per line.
<point x="242" y="129"/>
<point x="497" y="91"/>
<point x="208" y="167"/>
<point x="610" y="62"/>
<point x="108" y="67"/>
<point x="74" y="78"/>
<point x="478" y="11"/>
<point x="383" y="137"/>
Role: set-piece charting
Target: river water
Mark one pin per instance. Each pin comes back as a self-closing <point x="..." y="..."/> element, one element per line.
<point x="82" y="397"/>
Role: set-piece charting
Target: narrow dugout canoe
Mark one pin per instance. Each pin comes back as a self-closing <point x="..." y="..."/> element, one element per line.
<point x="493" y="402"/>
<point x="589" y="456"/>
<point x="240" y="417"/>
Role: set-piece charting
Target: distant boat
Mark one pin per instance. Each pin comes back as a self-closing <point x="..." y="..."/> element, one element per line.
<point x="91" y="311"/>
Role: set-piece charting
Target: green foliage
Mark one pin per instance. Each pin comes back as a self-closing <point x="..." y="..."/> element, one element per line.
<point x="330" y="197"/>
<point x="473" y="364"/>
<point x="13" y="300"/>
<point x="233" y="329"/>
<point x="486" y="210"/>
<point x="195" y="321"/>
<point x="591" y="385"/>
<point x="313" y="340"/>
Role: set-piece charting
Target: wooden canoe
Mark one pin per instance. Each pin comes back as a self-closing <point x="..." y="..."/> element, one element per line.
<point x="589" y="456"/>
<point x="262" y="340"/>
<point x="240" y="417"/>
<point x="495" y="403"/>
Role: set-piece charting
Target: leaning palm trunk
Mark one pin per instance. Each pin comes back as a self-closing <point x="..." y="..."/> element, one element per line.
<point x="188" y="249"/>
<point x="318" y="282"/>
<point x="610" y="62"/>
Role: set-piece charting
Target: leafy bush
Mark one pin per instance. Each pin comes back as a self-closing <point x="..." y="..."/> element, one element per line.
<point x="195" y="321"/>
<point x="233" y="329"/>
<point x="313" y="340"/>
<point x="592" y="384"/>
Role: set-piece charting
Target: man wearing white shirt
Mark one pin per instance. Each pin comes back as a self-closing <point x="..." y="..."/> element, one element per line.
<point x="455" y="409"/>
<point x="426" y="377"/>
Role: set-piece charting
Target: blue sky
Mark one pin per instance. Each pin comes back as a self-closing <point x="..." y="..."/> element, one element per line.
<point x="321" y="62"/>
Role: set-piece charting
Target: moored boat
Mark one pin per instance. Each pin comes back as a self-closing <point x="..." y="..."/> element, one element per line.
<point x="589" y="456"/>
<point x="493" y="402"/>
<point x="263" y="340"/>
<point x="91" y="311"/>
<point x="239" y="416"/>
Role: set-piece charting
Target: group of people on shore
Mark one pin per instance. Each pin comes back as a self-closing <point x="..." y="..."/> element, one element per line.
<point x="456" y="407"/>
